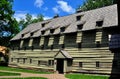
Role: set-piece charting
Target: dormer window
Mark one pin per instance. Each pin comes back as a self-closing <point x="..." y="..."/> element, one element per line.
<point x="42" y="32"/>
<point x="52" y="31"/>
<point x="99" y="23"/>
<point x="43" y="25"/>
<point x="80" y="26"/>
<point x="78" y="18"/>
<point x="31" y="34"/>
<point x="62" y="29"/>
<point x="22" y="35"/>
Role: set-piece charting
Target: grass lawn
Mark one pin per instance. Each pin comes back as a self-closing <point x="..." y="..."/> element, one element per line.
<point x="23" y="70"/>
<point x="8" y="74"/>
<point x="26" y="78"/>
<point x="85" y="76"/>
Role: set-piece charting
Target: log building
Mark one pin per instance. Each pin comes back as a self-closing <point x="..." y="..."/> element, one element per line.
<point x="81" y="42"/>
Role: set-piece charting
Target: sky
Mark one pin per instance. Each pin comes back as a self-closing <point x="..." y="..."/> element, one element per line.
<point x="48" y="8"/>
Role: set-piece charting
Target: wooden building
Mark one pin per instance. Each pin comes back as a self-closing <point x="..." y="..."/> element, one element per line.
<point x="73" y="43"/>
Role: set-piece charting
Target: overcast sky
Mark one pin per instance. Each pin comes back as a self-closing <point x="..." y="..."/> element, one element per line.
<point x="48" y="8"/>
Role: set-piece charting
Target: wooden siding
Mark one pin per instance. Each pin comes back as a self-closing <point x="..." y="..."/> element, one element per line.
<point x="88" y="54"/>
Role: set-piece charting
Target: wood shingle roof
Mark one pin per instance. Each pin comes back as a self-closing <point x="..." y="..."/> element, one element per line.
<point x="107" y="14"/>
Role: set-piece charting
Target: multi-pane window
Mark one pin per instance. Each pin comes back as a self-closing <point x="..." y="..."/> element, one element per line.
<point x="50" y="62"/>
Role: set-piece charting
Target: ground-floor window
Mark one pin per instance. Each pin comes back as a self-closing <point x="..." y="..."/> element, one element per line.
<point x="80" y="64"/>
<point x="30" y="61"/>
<point x="11" y="59"/>
<point x="39" y="62"/>
<point x="50" y="62"/>
<point x="18" y="60"/>
<point x="24" y="59"/>
<point x="97" y="64"/>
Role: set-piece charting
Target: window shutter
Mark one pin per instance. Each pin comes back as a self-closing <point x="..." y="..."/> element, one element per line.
<point x="79" y="37"/>
<point x="61" y="41"/>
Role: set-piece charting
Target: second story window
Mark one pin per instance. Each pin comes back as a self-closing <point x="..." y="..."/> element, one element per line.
<point x="80" y="26"/>
<point x="62" y="29"/>
<point x="99" y="23"/>
<point x="79" y="45"/>
<point x="98" y="44"/>
<point x="51" y="47"/>
<point x="63" y="46"/>
<point x="32" y="48"/>
<point x="42" y="47"/>
<point x="42" y="32"/>
<point x="52" y="31"/>
<point x="25" y="48"/>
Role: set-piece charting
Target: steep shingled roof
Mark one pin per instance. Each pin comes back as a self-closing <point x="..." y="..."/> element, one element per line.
<point x="107" y="14"/>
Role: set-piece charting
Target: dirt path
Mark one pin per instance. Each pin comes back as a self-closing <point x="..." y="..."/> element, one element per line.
<point x="49" y="76"/>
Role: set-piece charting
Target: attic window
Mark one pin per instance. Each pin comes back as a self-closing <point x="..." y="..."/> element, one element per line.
<point x="43" y="25"/>
<point x="80" y="26"/>
<point x="22" y="35"/>
<point x="31" y="34"/>
<point x="52" y="31"/>
<point x="99" y="23"/>
<point x="78" y="18"/>
<point x="42" y="32"/>
<point x="62" y="29"/>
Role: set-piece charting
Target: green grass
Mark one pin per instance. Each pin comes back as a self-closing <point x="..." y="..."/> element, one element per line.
<point x="8" y="74"/>
<point x="23" y="70"/>
<point x="85" y="76"/>
<point x="26" y="78"/>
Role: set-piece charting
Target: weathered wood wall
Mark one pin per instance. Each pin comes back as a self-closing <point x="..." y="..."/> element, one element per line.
<point x="89" y="58"/>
